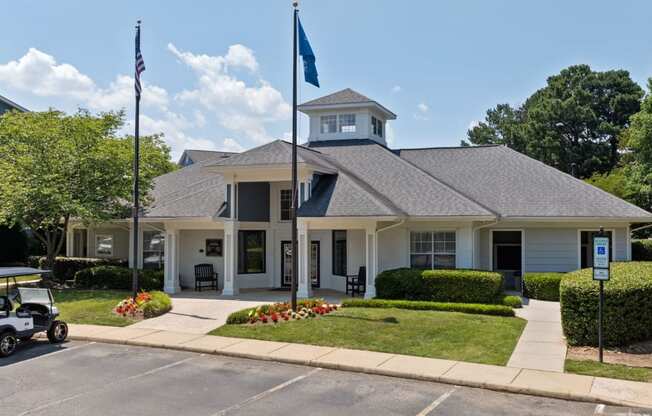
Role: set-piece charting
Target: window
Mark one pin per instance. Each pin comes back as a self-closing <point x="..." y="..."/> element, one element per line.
<point x="286" y="204"/>
<point x="377" y="126"/>
<point x="339" y="252"/>
<point x="153" y="250"/>
<point x="347" y="123"/>
<point x="104" y="245"/>
<point x="432" y="249"/>
<point x="328" y="124"/>
<point x="251" y="251"/>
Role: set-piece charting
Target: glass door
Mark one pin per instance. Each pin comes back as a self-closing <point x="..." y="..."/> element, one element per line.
<point x="314" y="263"/>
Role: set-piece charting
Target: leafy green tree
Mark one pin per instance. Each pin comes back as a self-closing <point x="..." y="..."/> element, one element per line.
<point x="576" y="119"/>
<point x="57" y="167"/>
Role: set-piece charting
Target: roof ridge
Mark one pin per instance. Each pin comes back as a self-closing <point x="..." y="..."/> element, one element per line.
<point x="446" y="185"/>
<point x="584" y="183"/>
<point x="481" y="146"/>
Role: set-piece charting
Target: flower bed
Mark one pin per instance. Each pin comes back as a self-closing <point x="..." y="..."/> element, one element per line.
<point x="146" y="305"/>
<point x="280" y="312"/>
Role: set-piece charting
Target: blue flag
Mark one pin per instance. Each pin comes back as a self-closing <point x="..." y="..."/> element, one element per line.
<point x="309" y="68"/>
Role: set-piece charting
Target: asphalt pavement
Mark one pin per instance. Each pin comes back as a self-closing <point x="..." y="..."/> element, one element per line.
<point x="81" y="378"/>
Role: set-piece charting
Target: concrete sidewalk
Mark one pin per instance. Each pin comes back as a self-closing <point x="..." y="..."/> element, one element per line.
<point x="509" y="379"/>
<point x="542" y="345"/>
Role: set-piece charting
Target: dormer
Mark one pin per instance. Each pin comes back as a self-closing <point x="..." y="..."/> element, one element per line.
<point x="346" y="115"/>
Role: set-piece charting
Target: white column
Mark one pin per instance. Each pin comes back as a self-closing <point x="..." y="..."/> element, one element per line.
<point x="131" y="245"/>
<point x="230" y="258"/>
<point x="464" y="247"/>
<point x="371" y="257"/>
<point x="171" y="265"/>
<point x="70" y="241"/>
<point x="305" y="287"/>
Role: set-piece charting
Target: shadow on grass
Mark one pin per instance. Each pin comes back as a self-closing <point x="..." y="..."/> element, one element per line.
<point x="387" y="320"/>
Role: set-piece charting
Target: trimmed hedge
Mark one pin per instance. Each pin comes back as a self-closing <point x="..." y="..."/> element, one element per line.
<point x="642" y="250"/>
<point x="467" y="286"/>
<point x="117" y="278"/>
<point x="543" y="286"/>
<point x="473" y="308"/>
<point x="628" y="305"/>
<point x="512" y="301"/>
<point x="158" y="305"/>
<point x="65" y="268"/>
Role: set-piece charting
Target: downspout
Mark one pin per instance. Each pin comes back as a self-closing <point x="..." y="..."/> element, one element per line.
<point x="473" y="230"/>
<point x="639" y="228"/>
<point x="376" y="239"/>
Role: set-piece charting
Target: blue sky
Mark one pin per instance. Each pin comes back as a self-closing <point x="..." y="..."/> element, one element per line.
<point x="218" y="73"/>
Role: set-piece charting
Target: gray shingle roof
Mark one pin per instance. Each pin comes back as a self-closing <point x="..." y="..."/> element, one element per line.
<point x="202" y="155"/>
<point x="345" y="96"/>
<point x="515" y="185"/>
<point x="412" y="191"/>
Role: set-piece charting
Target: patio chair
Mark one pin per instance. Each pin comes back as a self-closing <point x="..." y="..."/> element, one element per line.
<point x="205" y="276"/>
<point x="357" y="283"/>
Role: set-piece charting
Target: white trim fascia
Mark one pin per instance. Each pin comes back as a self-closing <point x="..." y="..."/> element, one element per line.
<point x="612" y="254"/>
<point x="312" y="108"/>
<point x="454" y="218"/>
<point x="574" y="219"/>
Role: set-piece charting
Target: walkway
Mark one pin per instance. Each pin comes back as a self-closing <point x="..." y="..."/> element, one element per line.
<point x="513" y="380"/>
<point x="201" y="312"/>
<point x="542" y="345"/>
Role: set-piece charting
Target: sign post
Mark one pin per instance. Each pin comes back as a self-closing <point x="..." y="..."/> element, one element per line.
<point x="601" y="258"/>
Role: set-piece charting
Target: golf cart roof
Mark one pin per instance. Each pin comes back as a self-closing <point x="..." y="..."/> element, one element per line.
<point x="20" y="271"/>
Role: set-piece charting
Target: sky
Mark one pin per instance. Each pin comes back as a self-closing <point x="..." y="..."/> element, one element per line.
<point x="219" y="75"/>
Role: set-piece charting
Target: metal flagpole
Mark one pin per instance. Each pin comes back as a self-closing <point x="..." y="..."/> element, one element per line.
<point x="136" y="206"/>
<point x="295" y="262"/>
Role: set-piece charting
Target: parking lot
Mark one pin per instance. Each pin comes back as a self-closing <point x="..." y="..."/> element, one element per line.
<point x="81" y="378"/>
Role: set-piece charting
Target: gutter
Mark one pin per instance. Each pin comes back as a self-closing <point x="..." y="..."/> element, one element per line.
<point x="473" y="230"/>
<point x="639" y="228"/>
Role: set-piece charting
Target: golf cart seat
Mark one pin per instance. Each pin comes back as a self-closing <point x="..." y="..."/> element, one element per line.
<point x="5" y="305"/>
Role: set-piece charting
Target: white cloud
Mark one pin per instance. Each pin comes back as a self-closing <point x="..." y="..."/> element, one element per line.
<point x="396" y="89"/>
<point x="230" y="145"/>
<point x="422" y="113"/>
<point x="239" y="107"/>
<point x="423" y="107"/>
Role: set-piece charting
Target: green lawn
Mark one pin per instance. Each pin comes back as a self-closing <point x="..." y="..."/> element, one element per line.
<point x="90" y="306"/>
<point x="3" y="282"/>
<point x="448" y="335"/>
<point x="594" y="368"/>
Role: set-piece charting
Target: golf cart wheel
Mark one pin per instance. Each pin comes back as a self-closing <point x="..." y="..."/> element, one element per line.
<point x="58" y="332"/>
<point x="8" y="343"/>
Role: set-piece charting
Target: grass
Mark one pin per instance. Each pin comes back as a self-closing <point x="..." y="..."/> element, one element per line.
<point x="3" y="282"/>
<point x="447" y="335"/>
<point x="90" y="306"/>
<point x="594" y="368"/>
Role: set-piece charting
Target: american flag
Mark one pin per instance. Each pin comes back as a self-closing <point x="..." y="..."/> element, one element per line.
<point x="140" y="63"/>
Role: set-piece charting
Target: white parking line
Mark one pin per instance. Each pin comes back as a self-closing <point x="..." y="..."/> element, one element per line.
<point x="48" y="354"/>
<point x="265" y="393"/>
<point x="432" y="406"/>
<point x="599" y="409"/>
<point x="105" y="386"/>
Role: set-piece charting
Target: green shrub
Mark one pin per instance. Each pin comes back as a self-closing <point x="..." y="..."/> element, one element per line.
<point x="628" y="305"/>
<point x="512" y="301"/>
<point x="239" y="317"/>
<point x="117" y="278"/>
<point x="158" y="305"/>
<point x="474" y="308"/>
<point x="543" y="286"/>
<point x="65" y="268"/>
<point x="642" y="250"/>
<point x="469" y="286"/>
<point x="242" y="316"/>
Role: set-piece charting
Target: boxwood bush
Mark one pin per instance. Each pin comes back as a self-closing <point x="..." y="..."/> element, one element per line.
<point x="459" y="285"/>
<point x="160" y="304"/>
<point x="474" y="308"/>
<point x="117" y="278"/>
<point x="543" y="286"/>
<point x="65" y="268"/>
<point x="628" y="305"/>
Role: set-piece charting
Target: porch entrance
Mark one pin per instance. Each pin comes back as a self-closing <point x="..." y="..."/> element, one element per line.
<point x="507" y="255"/>
<point x="286" y="263"/>
<point x="80" y="248"/>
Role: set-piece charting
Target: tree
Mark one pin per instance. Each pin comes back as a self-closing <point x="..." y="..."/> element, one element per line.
<point x="636" y="144"/>
<point x="57" y="167"/>
<point x="576" y="119"/>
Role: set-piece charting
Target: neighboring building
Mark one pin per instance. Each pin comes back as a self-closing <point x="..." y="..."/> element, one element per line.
<point x="363" y="204"/>
<point x="195" y="156"/>
<point x="6" y="105"/>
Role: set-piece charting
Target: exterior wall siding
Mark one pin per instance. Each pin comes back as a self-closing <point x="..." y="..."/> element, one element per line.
<point x="190" y="244"/>
<point x="120" y="241"/>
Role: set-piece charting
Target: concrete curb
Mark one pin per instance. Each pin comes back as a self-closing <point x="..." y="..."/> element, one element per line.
<point x="542" y="392"/>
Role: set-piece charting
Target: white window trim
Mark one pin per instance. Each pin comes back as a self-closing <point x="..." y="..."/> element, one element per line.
<point x="612" y="255"/>
<point x="97" y="236"/>
<point x="321" y="124"/>
<point x="491" y="247"/>
<point x="280" y="205"/>
<point x="432" y="231"/>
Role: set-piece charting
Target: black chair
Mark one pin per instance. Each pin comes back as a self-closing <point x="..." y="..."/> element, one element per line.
<point x="357" y="283"/>
<point x="205" y="276"/>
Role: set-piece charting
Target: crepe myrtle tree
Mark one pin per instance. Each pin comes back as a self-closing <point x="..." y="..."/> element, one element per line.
<point x="57" y="167"/>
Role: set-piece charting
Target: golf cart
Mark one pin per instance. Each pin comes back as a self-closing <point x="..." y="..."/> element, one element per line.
<point x="35" y="312"/>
